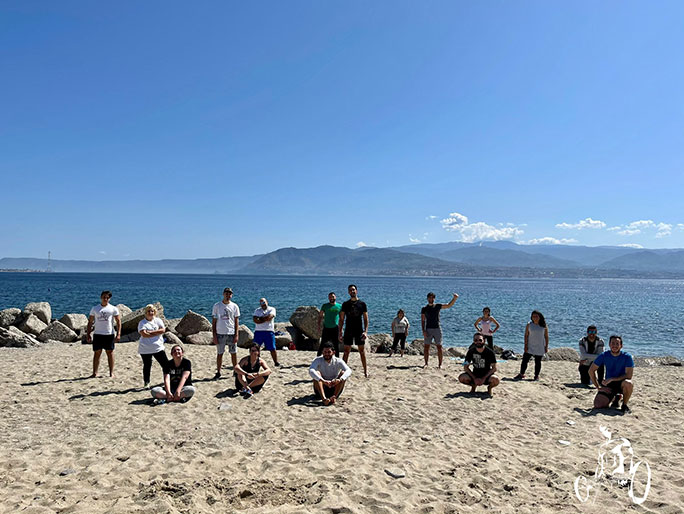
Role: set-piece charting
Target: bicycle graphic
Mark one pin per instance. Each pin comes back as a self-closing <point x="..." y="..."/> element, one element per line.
<point x="613" y="455"/>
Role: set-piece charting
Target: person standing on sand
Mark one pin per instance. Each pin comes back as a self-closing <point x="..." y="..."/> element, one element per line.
<point x="329" y="373"/>
<point x="251" y="373"/>
<point x="618" y="383"/>
<point x="264" y="330"/>
<point x="590" y="347"/>
<point x="329" y="317"/>
<point x="151" y="344"/>
<point x="483" y="362"/>
<point x="356" y="330"/>
<point x="103" y="317"/>
<point x="484" y="326"/>
<point x="400" y="330"/>
<point x="177" y="379"/>
<point x="536" y="344"/>
<point x="225" y="328"/>
<point x="429" y="320"/>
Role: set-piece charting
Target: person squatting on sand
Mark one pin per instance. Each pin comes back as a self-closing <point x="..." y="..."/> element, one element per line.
<point x="151" y="344"/>
<point x="536" y="344"/>
<point x="225" y="317"/>
<point x="264" y="329"/>
<point x="618" y="382"/>
<point x="483" y="325"/>
<point x="590" y="347"/>
<point x="400" y="330"/>
<point x="329" y="373"/>
<point x="103" y="316"/>
<point x="330" y="318"/>
<point x="483" y="362"/>
<point x="177" y="378"/>
<point x="429" y="320"/>
<point x="356" y="330"/>
<point x="252" y="372"/>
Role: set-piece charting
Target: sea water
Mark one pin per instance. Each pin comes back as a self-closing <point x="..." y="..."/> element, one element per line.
<point x="649" y="314"/>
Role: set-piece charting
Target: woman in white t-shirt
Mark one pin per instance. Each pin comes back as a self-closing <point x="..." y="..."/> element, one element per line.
<point x="151" y="342"/>
<point x="400" y="330"/>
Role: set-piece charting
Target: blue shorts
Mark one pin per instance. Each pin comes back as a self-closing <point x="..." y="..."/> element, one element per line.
<point x="265" y="337"/>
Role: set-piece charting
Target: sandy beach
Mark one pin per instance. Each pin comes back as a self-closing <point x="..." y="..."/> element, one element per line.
<point x="72" y="444"/>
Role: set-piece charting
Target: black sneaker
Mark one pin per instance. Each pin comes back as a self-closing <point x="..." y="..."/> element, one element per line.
<point x="276" y="364"/>
<point x="625" y="409"/>
<point x="616" y="402"/>
<point x="217" y="376"/>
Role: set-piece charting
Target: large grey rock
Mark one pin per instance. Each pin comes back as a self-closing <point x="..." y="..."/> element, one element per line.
<point x="563" y="354"/>
<point x="204" y="338"/>
<point x="456" y="351"/>
<point x="172" y="339"/>
<point x="15" y="338"/>
<point x="305" y="318"/>
<point x="172" y="323"/>
<point x="193" y="323"/>
<point x="124" y="310"/>
<point x="666" y="360"/>
<point x="40" y="309"/>
<point x="75" y="322"/>
<point x="379" y="343"/>
<point x="285" y="333"/>
<point x="31" y="324"/>
<point x="58" y="331"/>
<point x="9" y="316"/>
<point x="131" y="337"/>
<point x="129" y="322"/>
<point x="245" y="337"/>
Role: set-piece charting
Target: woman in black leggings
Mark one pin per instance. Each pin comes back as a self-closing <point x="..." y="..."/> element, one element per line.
<point x="151" y="342"/>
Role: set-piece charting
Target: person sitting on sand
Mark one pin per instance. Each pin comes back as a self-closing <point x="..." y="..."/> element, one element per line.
<point x="483" y="362"/>
<point x="251" y="373"/>
<point x="618" y="382"/>
<point x="329" y="373"/>
<point x="590" y="347"/>
<point x="177" y="378"/>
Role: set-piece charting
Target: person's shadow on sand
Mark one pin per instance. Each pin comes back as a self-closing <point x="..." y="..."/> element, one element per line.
<point x="228" y="393"/>
<point x="77" y="379"/>
<point x="594" y="412"/>
<point x="482" y="395"/>
<point x="106" y="393"/>
<point x="392" y="366"/>
<point x="297" y="382"/>
<point x="308" y="401"/>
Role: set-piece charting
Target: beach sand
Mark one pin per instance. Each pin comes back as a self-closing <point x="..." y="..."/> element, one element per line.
<point x="71" y="444"/>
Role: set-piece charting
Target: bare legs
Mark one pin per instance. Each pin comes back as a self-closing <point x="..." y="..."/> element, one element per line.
<point x="96" y="362"/>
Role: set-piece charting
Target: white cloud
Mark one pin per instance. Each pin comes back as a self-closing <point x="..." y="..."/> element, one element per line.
<point x="413" y="239"/>
<point x="551" y="241"/>
<point x="663" y="230"/>
<point x="637" y="227"/>
<point x="640" y="225"/>
<point x="631" y="245"/>
<point x="431" y="217"/>
<point x="102" y="252"/>
<point x="454" y="222"/>
<point x="361" y="244"/>
<point x="613" y="229"/>
<point x="479" y="231"/>
<point x="628" y="232"/>
<point x="582" y="224"/>
<point x="680" y="226"/>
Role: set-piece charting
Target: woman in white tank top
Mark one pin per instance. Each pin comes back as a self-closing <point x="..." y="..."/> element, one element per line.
<point x="484" y="326"/>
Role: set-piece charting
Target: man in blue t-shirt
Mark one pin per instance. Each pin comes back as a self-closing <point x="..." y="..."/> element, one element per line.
<point x="618" y="382"/>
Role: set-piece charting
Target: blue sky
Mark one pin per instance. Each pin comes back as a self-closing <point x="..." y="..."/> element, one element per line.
<point x="175" y="130"/>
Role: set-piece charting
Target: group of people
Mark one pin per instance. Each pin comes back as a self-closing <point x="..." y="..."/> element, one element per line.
<point x="347" y="324"/>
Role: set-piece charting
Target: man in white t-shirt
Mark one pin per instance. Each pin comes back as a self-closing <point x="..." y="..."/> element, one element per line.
<point x="264" y="330"/>
<point x="225" y="327"/>
<point x="103" y="317"/>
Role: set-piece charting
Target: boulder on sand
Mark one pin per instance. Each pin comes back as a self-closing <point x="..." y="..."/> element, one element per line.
<point x="172" y="339"/>
<point x="305" y="319"/>
<point x="76" y="322"/>
<point x="245" y="337"/>
<point x="15" y="338"/>
<point x="562" y="354"/>
<point x="204" y="338"/>
<point x="9" y="317"/>
<point x="40" y="309"/>
<point x="58" y="331"/>
<point x="124" y="310"/>
<point x="193" y="323"/>
<point x="380" y="343"/>
<point x="31" y="324"/>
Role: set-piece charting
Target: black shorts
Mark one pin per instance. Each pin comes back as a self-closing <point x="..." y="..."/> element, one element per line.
<point x="329" y="334"/>
<point x="486" y="379"/>
<point x="351" y="338"/>
<point x="329" y="391"/>
<point x="615" y="388"/>
<point x="255" y="389"/>
<point x="490" y="341"/>
<point x="103" y="342"/>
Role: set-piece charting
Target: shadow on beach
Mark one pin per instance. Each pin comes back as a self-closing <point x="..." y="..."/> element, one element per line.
<point x="308" y="401"/>
<point x="575" y="385"/>
<point x="392" y="366"/>
<point x="107" y="393"/>
<point x="594" y="412"/>
<point x="77" y="379"/>
<point x="297" y="382"/>
<point x="228" y="393"/>
<point x="482" y="395"/>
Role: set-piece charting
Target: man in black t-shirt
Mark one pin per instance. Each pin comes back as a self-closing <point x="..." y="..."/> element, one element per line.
<point x="479" y="366"/>
<point x="429" y="319"/>
<point x="355" y="312"/>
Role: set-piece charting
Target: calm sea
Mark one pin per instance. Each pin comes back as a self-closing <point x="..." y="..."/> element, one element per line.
<point x="649" y="314"/>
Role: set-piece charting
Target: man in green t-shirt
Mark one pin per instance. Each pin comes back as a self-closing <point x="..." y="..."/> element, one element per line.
<point x="329" y="317"/>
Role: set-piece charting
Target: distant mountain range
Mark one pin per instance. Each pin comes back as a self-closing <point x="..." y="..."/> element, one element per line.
<point x="495" y="258"/>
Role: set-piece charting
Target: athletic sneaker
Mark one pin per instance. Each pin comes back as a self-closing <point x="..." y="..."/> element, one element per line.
<point x="276" y="364"/>
<point x="249" y="393"/>
<point x="217" y="376"/>
<point x="616" y="402"/>
<point x="243" y="390"/>
<point x="625" y="409"/>
<point x="519" y="376"/>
